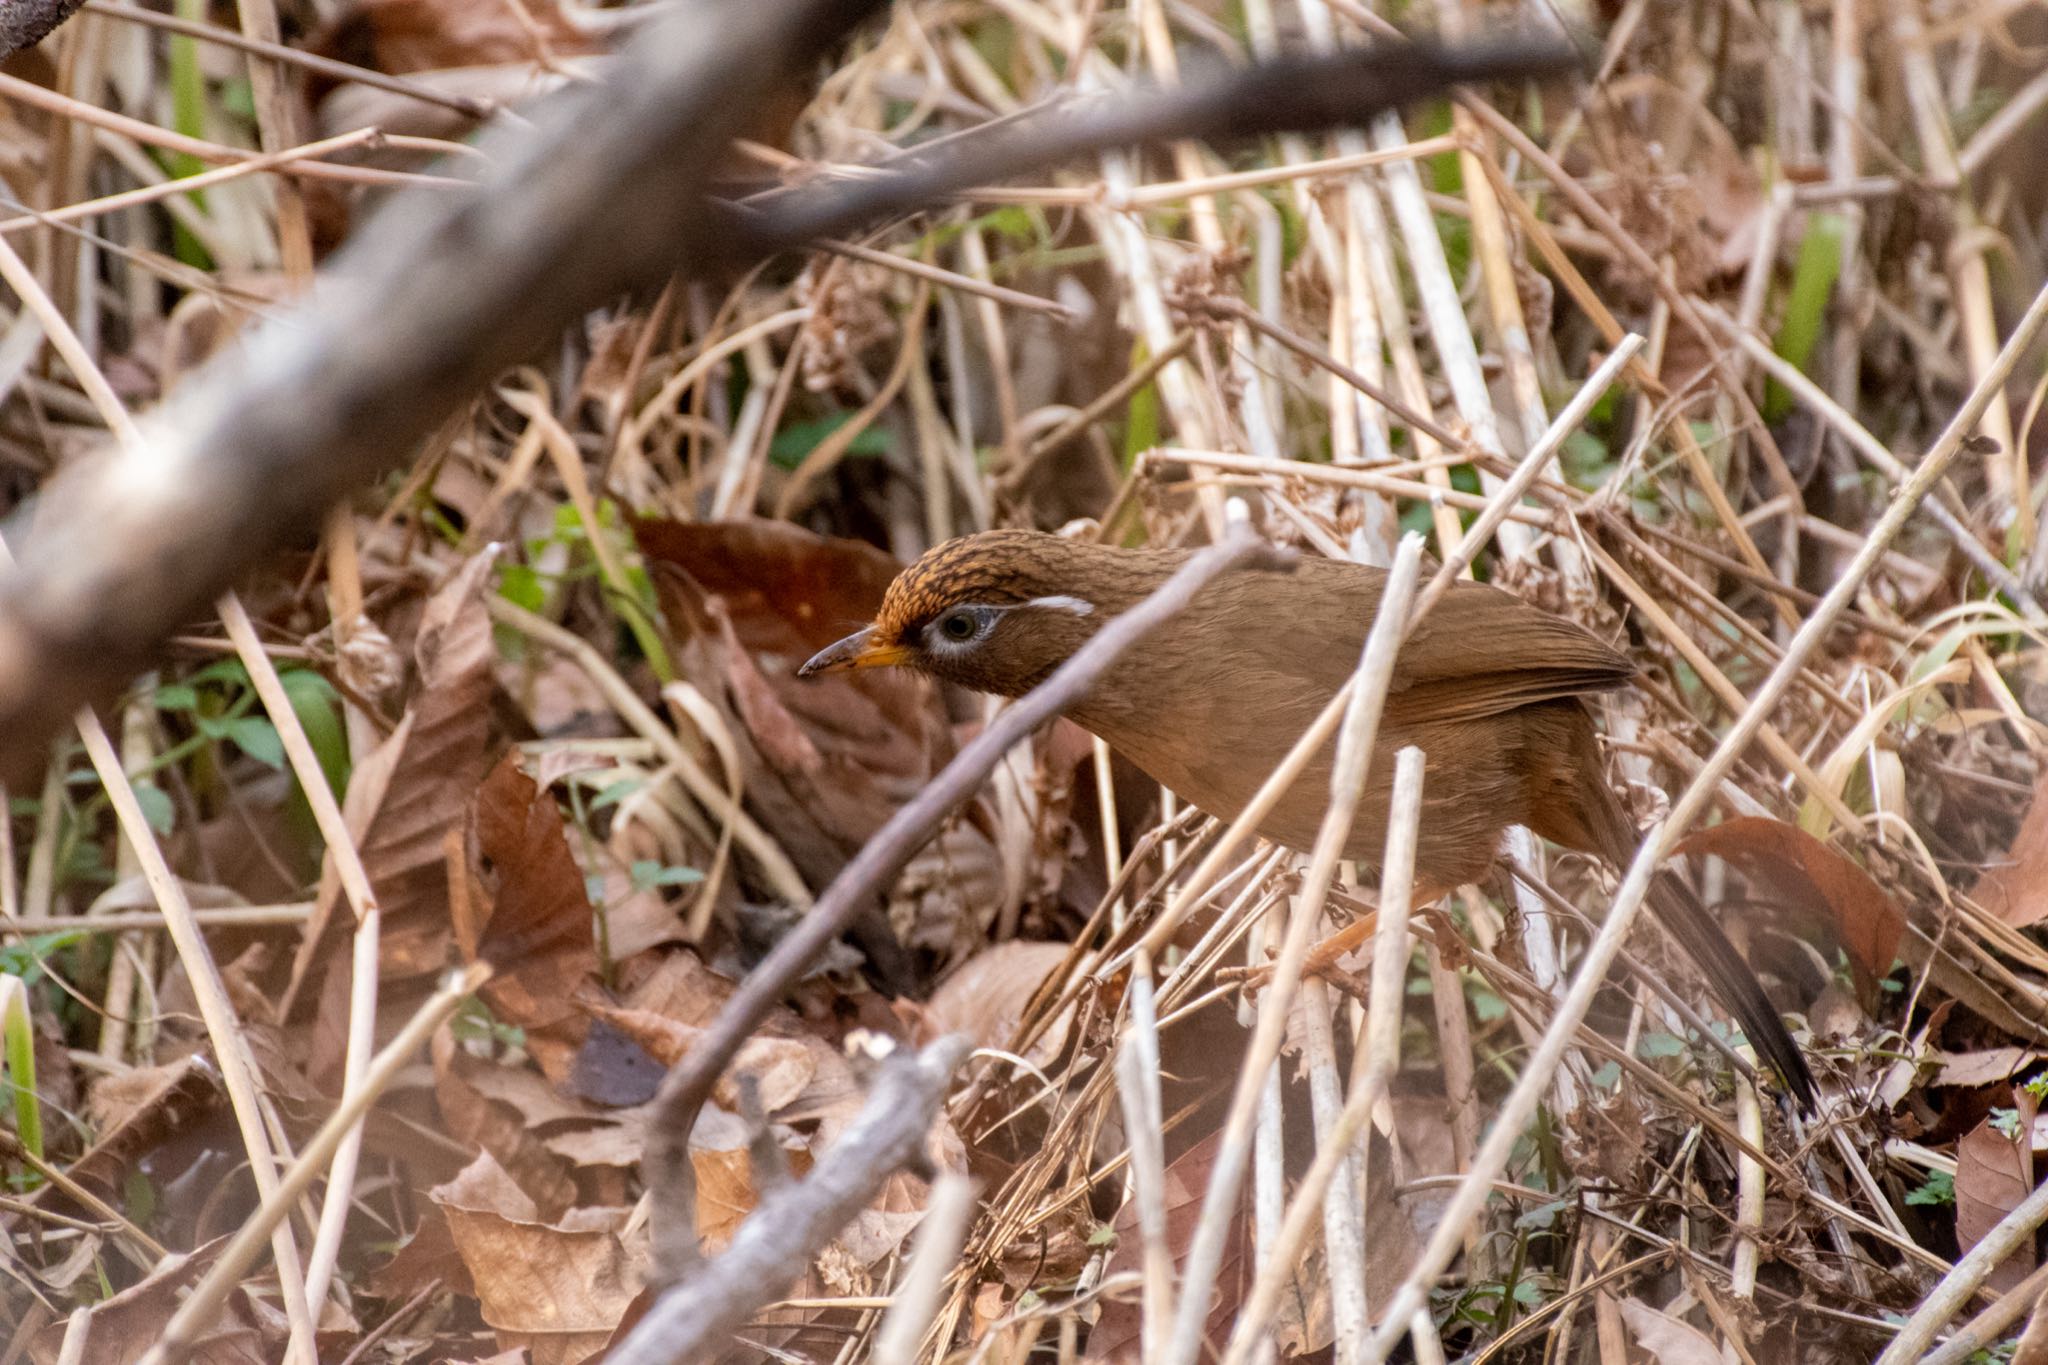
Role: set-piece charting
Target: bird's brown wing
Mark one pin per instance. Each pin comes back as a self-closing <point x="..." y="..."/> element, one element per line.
<point x="1483" y="651"/>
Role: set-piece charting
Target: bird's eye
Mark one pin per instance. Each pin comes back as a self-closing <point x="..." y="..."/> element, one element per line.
<point x="960" y="626"/>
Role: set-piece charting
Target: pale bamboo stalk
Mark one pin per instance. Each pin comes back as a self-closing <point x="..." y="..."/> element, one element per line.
<point x="1506" y="495"/>
<point x="204" y="180"/>
<point x="123" y="976"/>
<point x="1599" y="957"/>
<point x="1369" y="688"/>
<point x="1269" y="1172"/>
<point x="229" y="917"/>
<point x="1775" y="744"/>
<point x="1382" y="1053"/>
<point x="277" y="118"/>
<point x="996" y="338"/>
<point x="1137" y="1074"/>
<point x="1750" y="1190"/>
<point x="1968" y="273"/>
<point x="1343" y="1226"/>
<point x="355" y="882"/>
<point x="237" y="1064"/>
<point x="231" y="1049"/>
<point x="1172" y="191"/>
<point x="939" y="1235"/>
<point x="1342" y="477"/>
<point x="1957" y="1287"/>
<point x="1942" y="507"/>
<point x="1368" y="228"/>
<point x="1983" y="1331"/>
<point x="950" y="279"/>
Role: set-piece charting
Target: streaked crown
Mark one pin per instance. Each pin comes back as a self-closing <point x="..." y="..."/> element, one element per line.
<point x="992" y="568"/>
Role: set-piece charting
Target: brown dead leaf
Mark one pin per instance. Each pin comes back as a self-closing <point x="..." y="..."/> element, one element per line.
<point x="404" y="36"/>
<point x="528" y="915"/>
<point x="134" y="1112"/>
<point x="1993" y="1177"/>
<point x="2016" y="889"/>
<point x="1809" y="876"/>
<point x="428" y="1255"/>
<point x="985" y="998"/>
<point x="827" y="760"/>
<point x="1117" y="1334"/>
<point x="416" y="786"/>
<point x="123" y="1328"/>
<point x="801" y="1077"/>
<point x="1991" y="1066"/>
<point x="498" y="1109"/>
<point x="556" y="1288"/>
<point x="1670" y="1340"/>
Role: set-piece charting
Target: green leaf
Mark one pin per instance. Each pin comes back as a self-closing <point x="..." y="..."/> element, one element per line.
<point x="616" y="792"/>
<point x="1939" y="1188"/>
<point x="1543" y="1217"/>
<point x="1653" y="1046"/>
<point x="20" y="1051"/>
<point x="522" y="587"/>
<point x="156" y="806"/>
<point x="257" y="737"/>
<point x="1141" y="423"/>
<point x="649" y="874"/>
<point x="1806" y="307"/>
<point x="175" y="697"/>
<point x="318" y="707"/>
<point x="799" y="439"/>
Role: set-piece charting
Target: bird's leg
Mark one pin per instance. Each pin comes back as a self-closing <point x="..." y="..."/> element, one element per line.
<point x="1323" y="958"/>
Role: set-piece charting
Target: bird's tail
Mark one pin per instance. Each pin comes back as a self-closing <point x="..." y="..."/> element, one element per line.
<point x="1699" y="933"/>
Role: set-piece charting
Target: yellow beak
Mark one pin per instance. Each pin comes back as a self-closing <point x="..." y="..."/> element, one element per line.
<point x="858" y="650"/>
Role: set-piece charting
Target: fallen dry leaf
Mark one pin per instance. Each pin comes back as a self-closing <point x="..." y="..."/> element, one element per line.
<point x="528" y="915"/>
<point x="2015" y="890"/>
<point x="416" y="786"/>
<point x="1785" y="861"/>
<point x="498" y="1109"/>
<point x="134" y="1112"/>
<point x="1670" y="1340"/>
<point x="123" y="1328"/>
<point x="1117" y="1332"/>
<point x="826" y="760"/>
<point x="1990" y="1066"/>
<point x="1992" y="1179"/>
<point x="557" y="1288"/>
<point x="985" y="998"/>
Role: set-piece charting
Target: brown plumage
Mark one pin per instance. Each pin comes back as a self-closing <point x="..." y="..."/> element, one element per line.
<point x="1489" y="687"/>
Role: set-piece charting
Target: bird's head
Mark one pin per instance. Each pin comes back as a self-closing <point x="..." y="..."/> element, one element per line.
<point x="995" y="612"/>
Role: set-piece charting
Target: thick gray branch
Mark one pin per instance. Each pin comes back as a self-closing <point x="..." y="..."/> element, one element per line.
<point x="24" y="23"/>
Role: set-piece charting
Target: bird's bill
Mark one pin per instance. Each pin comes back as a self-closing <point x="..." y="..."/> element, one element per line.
<point x="858" y="650"/>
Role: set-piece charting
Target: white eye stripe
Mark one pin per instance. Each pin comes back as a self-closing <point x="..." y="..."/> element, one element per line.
<point x="1075" y="605"/>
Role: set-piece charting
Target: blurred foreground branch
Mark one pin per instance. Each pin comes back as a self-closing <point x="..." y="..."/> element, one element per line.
<point x="442" y="292"/>
<point x="24" y="23"/>
<point x="778" y="1242"/>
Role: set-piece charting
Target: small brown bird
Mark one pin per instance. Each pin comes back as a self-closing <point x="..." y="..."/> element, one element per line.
<point x="1488" y="686"/>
